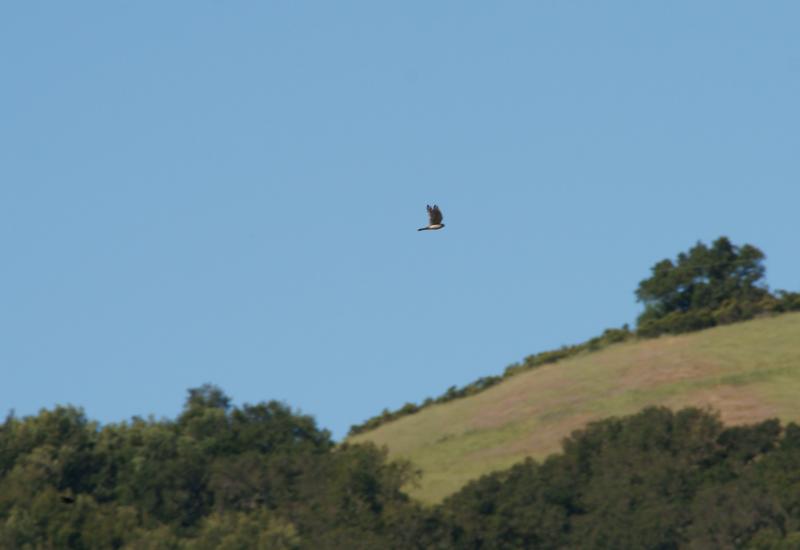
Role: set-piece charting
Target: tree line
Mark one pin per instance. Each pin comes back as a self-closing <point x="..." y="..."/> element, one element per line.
<point x="265" y="477"/>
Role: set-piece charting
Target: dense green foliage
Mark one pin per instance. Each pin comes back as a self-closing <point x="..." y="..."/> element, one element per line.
<point x="263" y="477"/>
<point x="258" y="476"/>
<point x="653" y="480"/>
<point x="708" y="286"/>
<point x="704" y="287"/>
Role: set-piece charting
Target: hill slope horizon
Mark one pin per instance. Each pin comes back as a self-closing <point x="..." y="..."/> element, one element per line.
<point x="747" y="371"/>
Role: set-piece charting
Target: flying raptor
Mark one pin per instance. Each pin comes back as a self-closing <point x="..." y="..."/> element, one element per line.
<point x="435" y="219"/>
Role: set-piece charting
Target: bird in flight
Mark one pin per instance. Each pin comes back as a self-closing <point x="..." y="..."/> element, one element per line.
<point x="435" y="219"/>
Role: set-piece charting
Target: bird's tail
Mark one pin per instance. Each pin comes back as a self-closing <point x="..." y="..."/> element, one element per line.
<point x="423" y="229"/>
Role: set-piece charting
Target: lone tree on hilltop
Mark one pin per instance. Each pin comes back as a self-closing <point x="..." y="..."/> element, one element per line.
<point x="703" y="287"/>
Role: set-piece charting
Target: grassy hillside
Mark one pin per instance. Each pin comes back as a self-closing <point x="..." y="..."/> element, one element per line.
<point x="747" y="371"/>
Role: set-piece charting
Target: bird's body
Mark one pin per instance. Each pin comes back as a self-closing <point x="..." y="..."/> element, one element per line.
<point x="434" y="218"/>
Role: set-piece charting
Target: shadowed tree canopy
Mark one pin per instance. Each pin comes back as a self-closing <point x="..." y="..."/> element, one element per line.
<point x="657" y="479"/>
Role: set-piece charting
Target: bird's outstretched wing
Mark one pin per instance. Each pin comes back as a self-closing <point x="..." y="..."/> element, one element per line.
<point x="435" y="215"/>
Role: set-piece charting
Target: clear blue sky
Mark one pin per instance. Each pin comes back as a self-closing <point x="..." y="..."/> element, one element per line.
<point x="229" y="192"/>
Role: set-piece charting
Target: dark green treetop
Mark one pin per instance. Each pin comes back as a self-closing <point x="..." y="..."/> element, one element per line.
<point x="705" y="286"/>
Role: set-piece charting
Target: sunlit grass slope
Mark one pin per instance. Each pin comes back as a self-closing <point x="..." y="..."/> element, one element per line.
<point x="746" y="371"/>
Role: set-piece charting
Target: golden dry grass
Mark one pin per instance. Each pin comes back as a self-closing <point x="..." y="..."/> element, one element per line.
<point x="747" y="371"/>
